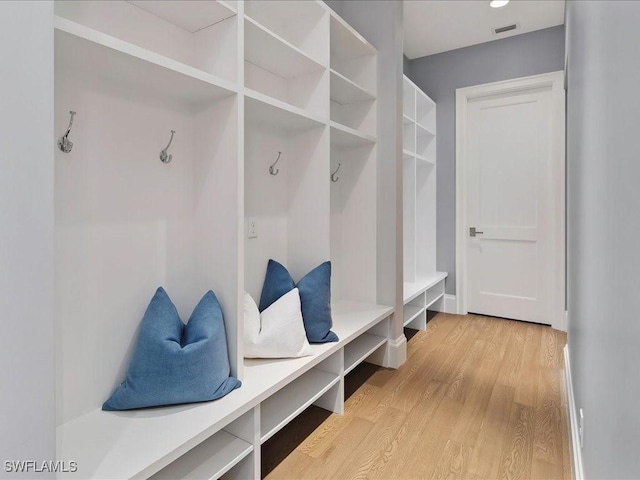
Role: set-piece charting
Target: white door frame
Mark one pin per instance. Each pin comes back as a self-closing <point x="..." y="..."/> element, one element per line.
<point x="554" y="80"/>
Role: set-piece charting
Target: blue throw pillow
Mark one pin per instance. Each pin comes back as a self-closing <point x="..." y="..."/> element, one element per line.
<point x="315" y="298"/>
<point x="175" y="363"/>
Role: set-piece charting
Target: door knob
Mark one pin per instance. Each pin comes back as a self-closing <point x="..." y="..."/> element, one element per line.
<point x="473" y="232"/>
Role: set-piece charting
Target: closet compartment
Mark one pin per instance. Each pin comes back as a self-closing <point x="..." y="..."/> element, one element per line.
<point x="279" y="69"/>
<point x="425" y="219"/>
<point x="425" y="112"/>
<point x="408" y="101"/>
<point x="369" y="344"/>
<point x="351" y="55"/>
<point x="222" y="455"/>
<point x="302" y="23"/>
<point x="286" y="192"/>
<point x="321" y="385"/>
<point x="409" y="138"/>
<point x="353" y="222"/>
<point x="127" y="223"/>
<point x="425" y="145"/>
<point x="203" y="35"/>
<point x="414" y="312"/>
<point x="409" y="217"/>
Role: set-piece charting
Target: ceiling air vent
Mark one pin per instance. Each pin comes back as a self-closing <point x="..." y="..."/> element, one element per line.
<point x="507" y="28"/>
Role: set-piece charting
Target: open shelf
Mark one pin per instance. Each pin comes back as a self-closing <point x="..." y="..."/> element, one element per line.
<point x="422" y="283"/>
<point x="359" y="349"/>
<point x="301" y="23"/>
<point x="210" y="460"/>
<point x="191" y="16"/>
<point x="276" y="114"/>
<point x="118" y="62"/>
<point x="422" y="131"/>
<point x="411" y="312"/>
<point x="282" y="407"/>
<point x="351" y="55"/>
<point x="422" y="158"/>
<point x="345" y="91"/>
<point x="273" y="53"/>
<point x="202" y="35"/>
<point x="346" y="43"/>
<point x="345" y="137"/>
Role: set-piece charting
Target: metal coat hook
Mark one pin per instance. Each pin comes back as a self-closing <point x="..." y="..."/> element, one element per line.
<point x="164" y="157"/>
<point x="272" y="169"/>
<point x="64" y="143"/>
<point x="334" y="179"/>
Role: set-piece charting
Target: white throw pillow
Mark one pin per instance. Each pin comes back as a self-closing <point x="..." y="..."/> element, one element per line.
<point x="277" y="332"/>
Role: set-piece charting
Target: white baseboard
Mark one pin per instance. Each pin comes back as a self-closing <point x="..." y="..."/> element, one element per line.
<point x="393" y="356"/>
<point x="447" y="305"/>
<point x="576" y="449"/>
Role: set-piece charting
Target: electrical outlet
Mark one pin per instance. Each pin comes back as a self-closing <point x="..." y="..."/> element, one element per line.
<point x="581" y="428"/>
<point x="252" y="228"/>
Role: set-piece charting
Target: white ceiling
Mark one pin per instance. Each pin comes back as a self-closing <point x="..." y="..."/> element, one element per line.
<point x="434" y="26"/>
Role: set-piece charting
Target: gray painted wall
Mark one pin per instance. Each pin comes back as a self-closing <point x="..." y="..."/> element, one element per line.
<point x="336" y="5"/>
<point x="603" y="226"/>
<point x="27" y="394"/>
<point x="439" y="76"/>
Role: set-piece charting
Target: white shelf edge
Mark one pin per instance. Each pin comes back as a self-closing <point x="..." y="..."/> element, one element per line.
<point x="142" y="54"/>
<point x="330" y="379"/>
<point x="422" y="285"/>
<point x="408" y="153"/>
<point x="372" y="343"/>
<point x="434" y="301"/>
<point x="345" y="25"/>
<point x="424" y="159"/>
<point x="353" y="132"/>
<point x="228" y="6"/>
<point x="415" y="312"/>
<point x="210" y="459"/>
<point x="287" y="44"/>
<point x="370" y="96"/>
<point x="282" y="105"/>
<point x="425" y="131"/>
<point x="406" y="119"/>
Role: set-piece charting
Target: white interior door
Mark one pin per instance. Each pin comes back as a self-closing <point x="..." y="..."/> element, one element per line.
<point x="512" y="197"/>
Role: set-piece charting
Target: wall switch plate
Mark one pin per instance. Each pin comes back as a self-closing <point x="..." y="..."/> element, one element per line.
<point x="252" y="228"/>
<point x="581" y="428"/>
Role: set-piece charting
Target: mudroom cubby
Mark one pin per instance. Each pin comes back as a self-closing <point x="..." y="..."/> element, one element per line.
<point x="423" y="285"/>
<point x="208" y="137"/>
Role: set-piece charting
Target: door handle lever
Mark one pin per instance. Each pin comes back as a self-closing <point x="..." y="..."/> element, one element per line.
<point x="473" y="232"/>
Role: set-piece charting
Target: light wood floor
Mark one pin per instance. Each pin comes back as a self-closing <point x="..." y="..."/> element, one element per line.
<point x="478" y="398"/>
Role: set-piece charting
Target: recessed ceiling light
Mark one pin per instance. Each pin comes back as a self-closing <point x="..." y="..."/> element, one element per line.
<point x="498" y="3"/>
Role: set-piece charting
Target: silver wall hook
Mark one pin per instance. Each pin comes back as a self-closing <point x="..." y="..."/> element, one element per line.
<point x="164" y="157"/>
<point x="334" y="179"/>
<point x="64" y="143"/>
<point x="272" y="169"/>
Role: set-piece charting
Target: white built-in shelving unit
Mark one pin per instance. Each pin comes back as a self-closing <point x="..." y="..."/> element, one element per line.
<point x="241" y="84"/>
<point x="423" y="285"/>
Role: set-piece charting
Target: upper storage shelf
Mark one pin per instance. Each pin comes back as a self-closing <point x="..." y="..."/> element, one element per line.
<point x="345" y="91"/>
<point x="302" y="24"/>
<point x="202" y="35"/>
<point x="352" y="56"/>
<point x="273" y="53"/>
<point x="190" y="16"/>
<point x="117" y="61"/>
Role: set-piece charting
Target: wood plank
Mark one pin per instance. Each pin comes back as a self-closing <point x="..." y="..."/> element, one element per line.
<point x="453" y="462"/>
<point x="517" y="454"/>
<point x="527" y="382"/>
<point x="492" y="436"/>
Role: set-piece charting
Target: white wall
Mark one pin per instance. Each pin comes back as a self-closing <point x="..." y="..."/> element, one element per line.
<point x="26" y="240"/>
<point x="603" y="227"/>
